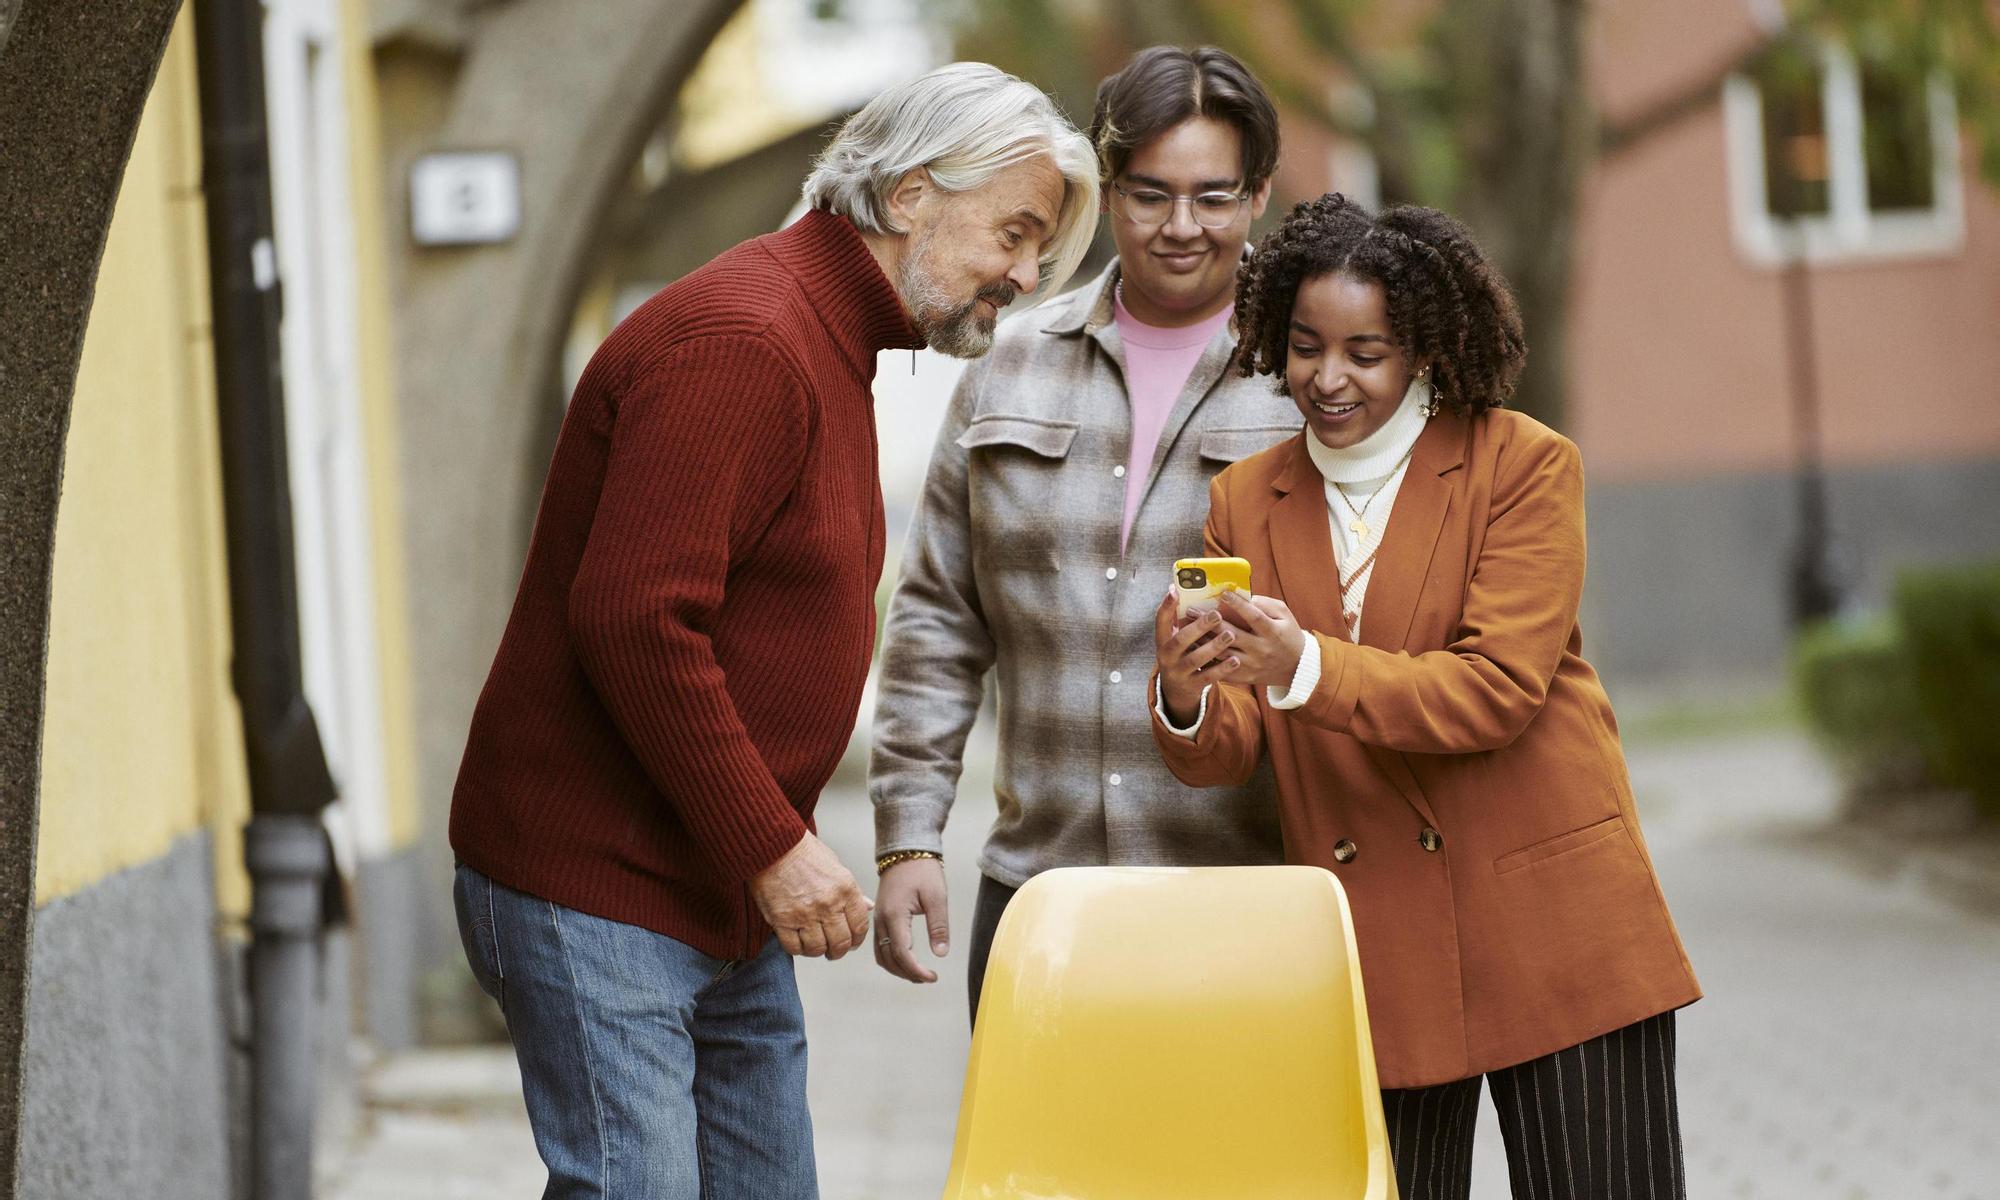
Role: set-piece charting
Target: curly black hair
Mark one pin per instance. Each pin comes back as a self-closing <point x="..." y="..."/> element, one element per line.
<point x="1446" y="302"/>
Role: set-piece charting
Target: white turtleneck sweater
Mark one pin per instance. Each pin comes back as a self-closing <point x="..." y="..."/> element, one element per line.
<point x="1369" y="473"/>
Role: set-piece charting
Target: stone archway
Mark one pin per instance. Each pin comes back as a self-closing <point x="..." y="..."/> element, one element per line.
<point x="694" y="217"/>
<point x="73" y="82"/>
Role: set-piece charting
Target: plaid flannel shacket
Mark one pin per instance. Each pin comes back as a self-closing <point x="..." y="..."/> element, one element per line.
<point x="1013" y="565"/>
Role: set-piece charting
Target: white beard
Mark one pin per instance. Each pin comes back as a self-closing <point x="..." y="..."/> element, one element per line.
<point x="947" y="326"/>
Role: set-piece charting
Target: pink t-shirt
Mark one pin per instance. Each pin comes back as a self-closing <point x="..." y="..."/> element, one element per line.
<point x="1157" y="365"/>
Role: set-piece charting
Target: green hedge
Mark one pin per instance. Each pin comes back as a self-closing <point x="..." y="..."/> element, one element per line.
<point x="1913" y="699"/>
<point x="1950" y="620"/>
<point x="1860" y="696"/>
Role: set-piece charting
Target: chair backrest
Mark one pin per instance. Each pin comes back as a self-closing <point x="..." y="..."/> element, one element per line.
<point x="1173" y="1034"/>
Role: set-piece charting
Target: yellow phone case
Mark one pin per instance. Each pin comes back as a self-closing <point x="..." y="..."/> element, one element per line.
<point x="1200" y="582"/>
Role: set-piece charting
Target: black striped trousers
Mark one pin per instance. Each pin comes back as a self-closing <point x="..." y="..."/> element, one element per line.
<point x="1599" y="1121"/>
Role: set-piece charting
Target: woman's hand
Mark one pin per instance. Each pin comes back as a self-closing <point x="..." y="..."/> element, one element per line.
<point x="1192" y="653"/>
<point x="1265" y="642"/>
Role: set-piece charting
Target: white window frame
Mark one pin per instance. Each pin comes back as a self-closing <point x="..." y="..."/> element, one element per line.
<point x="1353" y="170"/>
<point x="325" y="438"/>
<point x="1352" y="167"/>
<point x="1849" y="230"/>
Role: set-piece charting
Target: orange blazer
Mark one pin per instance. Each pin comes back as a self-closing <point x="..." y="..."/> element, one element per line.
<point x="1459" y="769"/>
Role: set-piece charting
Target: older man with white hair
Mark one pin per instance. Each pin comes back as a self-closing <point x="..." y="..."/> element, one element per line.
<point x="633" y="816"/>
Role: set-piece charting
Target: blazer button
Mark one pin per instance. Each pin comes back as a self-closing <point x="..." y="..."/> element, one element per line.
<point x="1344" y="851"/>
<point x="1430" y="839"/>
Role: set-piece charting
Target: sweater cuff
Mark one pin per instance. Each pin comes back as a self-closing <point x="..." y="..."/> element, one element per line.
<point x="1304" y="679"/>
<point x="751" y="852"/>
<point x="1160" y="711"/>
<point x="1332" y="704"/>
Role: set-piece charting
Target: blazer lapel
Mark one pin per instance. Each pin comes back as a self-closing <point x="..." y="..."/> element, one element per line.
<point x="1302" y="548"/>
<point x="1410" y="539"/>
<point x="1302" y="545"/>
<point x="1408" y="544"/>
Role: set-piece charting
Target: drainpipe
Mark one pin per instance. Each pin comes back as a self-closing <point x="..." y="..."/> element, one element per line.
<point x="285" y="846"/>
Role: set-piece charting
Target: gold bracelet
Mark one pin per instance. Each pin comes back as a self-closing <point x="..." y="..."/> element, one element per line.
<point x="885" y="861"/>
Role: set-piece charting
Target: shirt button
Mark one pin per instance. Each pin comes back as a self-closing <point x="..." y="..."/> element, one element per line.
<point x="1344" y="851"/>
<point x="1118" y="472"/>
<point x="1116" y="779"/>
<point x="1117" y="677"/>
<point x="1111" y="572"/>
<point x="1430" y="839"/>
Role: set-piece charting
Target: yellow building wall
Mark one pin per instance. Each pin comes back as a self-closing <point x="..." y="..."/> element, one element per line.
<point x="142" y="742"/>
<point x="378" y="390"/>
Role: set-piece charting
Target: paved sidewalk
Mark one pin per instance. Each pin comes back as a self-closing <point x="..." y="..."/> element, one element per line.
<point x="442" y="1125"/>
<point x="1847" y="1048"/>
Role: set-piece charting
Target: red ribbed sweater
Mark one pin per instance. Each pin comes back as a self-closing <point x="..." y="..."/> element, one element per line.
<point x="685" y="657"/>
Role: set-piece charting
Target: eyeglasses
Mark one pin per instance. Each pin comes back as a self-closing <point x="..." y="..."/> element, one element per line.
<point x="1151" y="206"/>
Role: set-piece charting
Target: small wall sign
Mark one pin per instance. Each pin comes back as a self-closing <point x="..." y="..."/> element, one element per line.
<point x="465" y="198"/>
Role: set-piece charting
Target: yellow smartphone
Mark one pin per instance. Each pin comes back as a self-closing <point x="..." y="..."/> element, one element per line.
<point x="1200" y="582"/>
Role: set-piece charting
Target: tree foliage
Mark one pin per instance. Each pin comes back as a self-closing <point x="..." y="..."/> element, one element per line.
<point x="1482" y="107"/>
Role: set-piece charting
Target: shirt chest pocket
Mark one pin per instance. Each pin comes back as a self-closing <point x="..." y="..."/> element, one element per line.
<point x="1220" y="447"/>
<point x="1016" y="488"/>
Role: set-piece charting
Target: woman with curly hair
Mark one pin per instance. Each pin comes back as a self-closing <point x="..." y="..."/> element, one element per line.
<point x="1412" y="669"/>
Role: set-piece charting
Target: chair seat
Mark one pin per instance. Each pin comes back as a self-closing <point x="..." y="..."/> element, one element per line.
<point x="1166" y="1033"/>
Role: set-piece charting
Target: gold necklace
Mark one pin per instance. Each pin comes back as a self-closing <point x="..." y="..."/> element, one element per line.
<point x="1359" y="525"/>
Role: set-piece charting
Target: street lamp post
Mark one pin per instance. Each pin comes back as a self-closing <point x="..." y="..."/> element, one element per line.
<point x="1812" y="592"/>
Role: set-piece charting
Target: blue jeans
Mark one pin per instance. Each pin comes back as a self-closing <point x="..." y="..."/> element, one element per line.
<point x="651" y="1071"/>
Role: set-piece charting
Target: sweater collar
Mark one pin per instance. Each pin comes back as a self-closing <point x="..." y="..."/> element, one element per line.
<point x="1381" y="452"/>
<point x="846" y="287"/>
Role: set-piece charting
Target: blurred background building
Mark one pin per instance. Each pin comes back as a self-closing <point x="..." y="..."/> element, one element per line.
<point x="1806" y="274"/>
<point x="1759" y="253"/>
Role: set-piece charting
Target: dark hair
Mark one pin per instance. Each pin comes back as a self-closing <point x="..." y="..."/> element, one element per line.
<point x="1165" y="85"/>
<point x="1445" y="301"/>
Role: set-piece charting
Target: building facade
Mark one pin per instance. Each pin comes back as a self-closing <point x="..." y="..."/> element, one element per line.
<point x="134" y="1065"/>
<point x="1818" y="245"/>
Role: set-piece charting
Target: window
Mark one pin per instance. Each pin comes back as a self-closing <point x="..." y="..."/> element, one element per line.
<point x="1835" y="156"/>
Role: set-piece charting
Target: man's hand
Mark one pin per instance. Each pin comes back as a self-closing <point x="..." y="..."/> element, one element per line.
<point x="811" y="902"/>
<point x="908" y="888"/>
<point x="1265" y="640"/>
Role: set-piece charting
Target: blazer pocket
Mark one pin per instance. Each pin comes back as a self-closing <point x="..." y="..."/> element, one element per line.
<point x="1562" y="843"/>
<point x="1232" y="445"/>
<point x="1038" y="435"/>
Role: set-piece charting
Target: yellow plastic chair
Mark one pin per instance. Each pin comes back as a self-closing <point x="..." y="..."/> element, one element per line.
<point x="1163" y="1034"/>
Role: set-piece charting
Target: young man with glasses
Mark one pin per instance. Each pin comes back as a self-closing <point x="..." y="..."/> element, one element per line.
<point x="1071" y="471"/>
